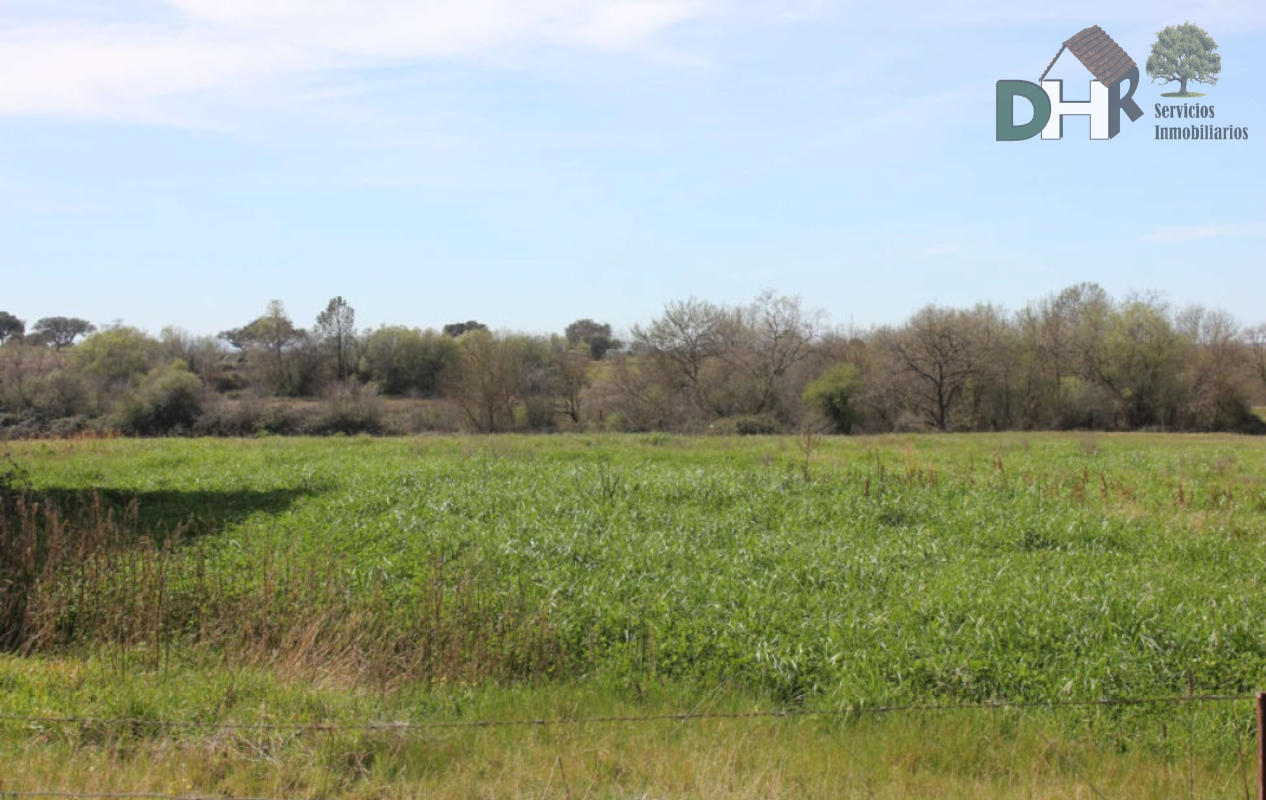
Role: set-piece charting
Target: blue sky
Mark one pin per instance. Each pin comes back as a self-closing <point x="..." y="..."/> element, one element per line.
<point x="529" y="162"/>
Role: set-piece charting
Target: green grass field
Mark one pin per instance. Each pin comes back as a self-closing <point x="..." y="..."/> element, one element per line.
<point x="345" y="580"/>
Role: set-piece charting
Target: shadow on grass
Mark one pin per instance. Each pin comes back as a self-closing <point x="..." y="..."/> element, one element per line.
<point x="158" y="514"/>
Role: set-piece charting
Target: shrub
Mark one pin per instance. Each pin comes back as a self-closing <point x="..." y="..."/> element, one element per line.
<point x="168" y="401"/>
<point x="349" y="408"/>
<point x="832" y="394"/>
<point x="748" y="425"/>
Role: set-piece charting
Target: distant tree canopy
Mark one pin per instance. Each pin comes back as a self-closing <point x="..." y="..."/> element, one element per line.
<point x="61" y="332"/>
<point x="1076" y="359"/>
<point x="270" y="343"/>
<point x="597" y="336"/>
<point x="407" y="361"/>
<point x="456" y="329"/>
<point x="116" y="355"/>
<point x="273" y="331"/>
<point x="10" y="327"/>
<point x="1184" y="53"/>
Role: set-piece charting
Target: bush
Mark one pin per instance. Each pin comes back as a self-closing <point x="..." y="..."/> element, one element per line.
<point x="349" y="408"/>
<point x="749" y="425"/>
<point x="832" y="394"/>
<point x="168" y="401"/>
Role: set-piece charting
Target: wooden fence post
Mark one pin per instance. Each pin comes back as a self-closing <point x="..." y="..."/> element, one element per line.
<point x="1261" y="746"/>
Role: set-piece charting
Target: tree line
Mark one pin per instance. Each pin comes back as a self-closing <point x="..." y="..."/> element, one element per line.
<point x="1076" y="359"/>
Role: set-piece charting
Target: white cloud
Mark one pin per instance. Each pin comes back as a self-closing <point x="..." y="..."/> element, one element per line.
<point x="1195" y="233"/>
<point x="131" y="69"/>
<point x="123" y="71"/>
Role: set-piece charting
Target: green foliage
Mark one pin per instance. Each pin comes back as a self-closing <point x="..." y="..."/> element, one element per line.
<point x="168" y="401"/>
<point x="61" y="332"/>
<point x="118" y="355"/>
<point x="456" y="329"/>
<point x="932" y="568"/>
<point x="597" y="336"/>
<point x="407" y="361"/>
<point x="832" y="394"/>
<point x="1184" y="53"/>
<point x="277" y="352"/>
<point x="14" y="479"/>
<point x="10" y="327"/>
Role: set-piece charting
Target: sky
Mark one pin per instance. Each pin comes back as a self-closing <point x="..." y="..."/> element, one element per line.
<point x="527" y="163"/>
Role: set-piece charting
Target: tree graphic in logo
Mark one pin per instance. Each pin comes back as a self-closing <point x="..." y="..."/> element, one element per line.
<point x="1184" y="53"/>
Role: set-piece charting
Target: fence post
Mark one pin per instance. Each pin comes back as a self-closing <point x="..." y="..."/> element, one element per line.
<point x="1261" y="746"/>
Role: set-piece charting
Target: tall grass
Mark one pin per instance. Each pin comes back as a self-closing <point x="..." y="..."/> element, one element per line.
<point x="807" y="573"/>
<point x="91" y="579"/>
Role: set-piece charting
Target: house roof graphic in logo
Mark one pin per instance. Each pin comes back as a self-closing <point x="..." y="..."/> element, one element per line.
<point x="1110" y="66"/>
<point x="1098" y="53"/>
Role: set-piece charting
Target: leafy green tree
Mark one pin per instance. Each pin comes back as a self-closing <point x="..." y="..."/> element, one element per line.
<point x="118" y="355"/>
<point x="10" y="327"/>
<point x="596" y="335"/>
<point x="832" y="395"/>
<point x="62" y="332"/>
<point x="169" y="400"/>
<point x="407" y="361"/>
<point x="275" y="339"/>
<point x="456" y="329"/>
<point x="1136" y="357"/>
<point x="1184" y="53"/>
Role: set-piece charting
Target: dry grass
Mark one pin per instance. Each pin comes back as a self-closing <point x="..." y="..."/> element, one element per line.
<point x="898" y="757"/>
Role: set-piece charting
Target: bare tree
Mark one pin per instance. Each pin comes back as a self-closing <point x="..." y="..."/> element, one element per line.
<point x="943" y="349"/>
<point x="1213" y="369"/>
<point x="336" y="328"/>
<point x="487" y="380"/>
<point x="776" y="333"/>
<point x="687" y="336"/>
<point x="569" y="375"/>
<point x="1255" y="338"/>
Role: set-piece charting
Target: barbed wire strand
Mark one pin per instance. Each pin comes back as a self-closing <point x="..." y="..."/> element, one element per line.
<point x="858" y="710"/>
<point x="5" y="794"/>
<point x="675" y="717"/>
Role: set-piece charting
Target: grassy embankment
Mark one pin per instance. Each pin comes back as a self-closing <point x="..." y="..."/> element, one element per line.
<point x="461" y="579"/>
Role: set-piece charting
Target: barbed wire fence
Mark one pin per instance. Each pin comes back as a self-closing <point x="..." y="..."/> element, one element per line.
<point x="852" y="711"/>
<point x="685" y="716"/>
